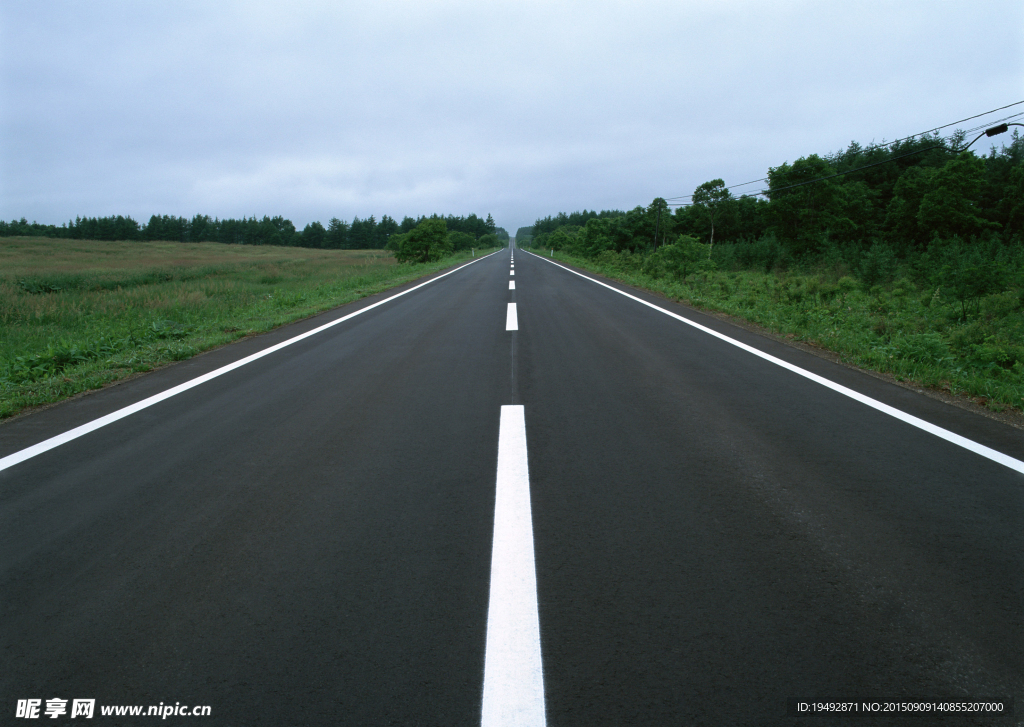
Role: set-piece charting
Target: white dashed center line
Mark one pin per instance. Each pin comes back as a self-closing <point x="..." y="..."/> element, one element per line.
<point x="511" y="319"/>
<point x="513" y="673"/>
<point x="511" y="285"/>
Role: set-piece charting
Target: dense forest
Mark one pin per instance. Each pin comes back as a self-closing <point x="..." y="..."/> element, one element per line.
<point x="524" y="234"/>
<point x="337" y="235"/>
<point x="889" y="201"/>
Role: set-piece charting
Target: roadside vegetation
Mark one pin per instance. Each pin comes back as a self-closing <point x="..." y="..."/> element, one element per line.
<point x="76" y="315"/>
<point x="910" y="262"/>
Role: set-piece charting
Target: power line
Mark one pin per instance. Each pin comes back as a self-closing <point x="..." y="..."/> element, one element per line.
<point x="755" y="181"/>
<point x="989" y="124"/>
<point x="976" y="116"/>
<point x="879" y="146"/>
<point x="867" y="166"/>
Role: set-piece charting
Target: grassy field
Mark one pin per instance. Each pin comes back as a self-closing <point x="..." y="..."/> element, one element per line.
<point x="78" y="314"/>
<point x="909" y="331"/>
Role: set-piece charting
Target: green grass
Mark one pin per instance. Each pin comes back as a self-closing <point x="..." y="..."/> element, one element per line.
<point x="897" y="328"/>
<point x="78" y="314"/>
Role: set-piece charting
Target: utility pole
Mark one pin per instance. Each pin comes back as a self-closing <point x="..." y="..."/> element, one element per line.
<point x="657" y="226"/>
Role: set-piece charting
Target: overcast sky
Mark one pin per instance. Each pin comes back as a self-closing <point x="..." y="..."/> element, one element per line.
<point x="518" y="109"/>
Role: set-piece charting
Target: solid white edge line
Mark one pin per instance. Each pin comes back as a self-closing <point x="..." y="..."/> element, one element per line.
<point x="951" y="437"/>
<point x="72" y="434"/>
<point x="511" y="318"/>
<point x="513" y="669"/>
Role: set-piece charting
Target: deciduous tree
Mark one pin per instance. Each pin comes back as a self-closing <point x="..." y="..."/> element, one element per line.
<point x="709" y="198"/>
<point x="427" y="242"/>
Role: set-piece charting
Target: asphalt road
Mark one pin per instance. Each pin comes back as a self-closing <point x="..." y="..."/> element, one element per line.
<point x="307" y="539"/>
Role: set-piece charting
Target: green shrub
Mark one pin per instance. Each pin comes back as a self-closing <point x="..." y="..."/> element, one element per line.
<point x="764" y="254"/>
<point x="427" y="242"/>
<point x="680" y="259"/>
<point x="877" y="265"/>
<point x="926" y="348"/>
<point x="846" y="284"/>
<point x="1000" y="305"/>
<point x="461" y="240"/>
<point x="967" y="275"/>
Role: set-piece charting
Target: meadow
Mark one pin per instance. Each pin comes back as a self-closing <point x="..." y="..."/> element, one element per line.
<point x="78" y="314"/>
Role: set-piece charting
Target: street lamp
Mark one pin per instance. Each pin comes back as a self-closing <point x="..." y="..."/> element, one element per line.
<point x="991" y="132"/>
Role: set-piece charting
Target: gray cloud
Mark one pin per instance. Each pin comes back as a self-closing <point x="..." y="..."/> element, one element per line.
<point x="521" y="109"/>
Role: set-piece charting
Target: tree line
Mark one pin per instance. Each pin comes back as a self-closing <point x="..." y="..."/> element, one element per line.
<point x="359" y="234"/>
<point x="903" y="196"/>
